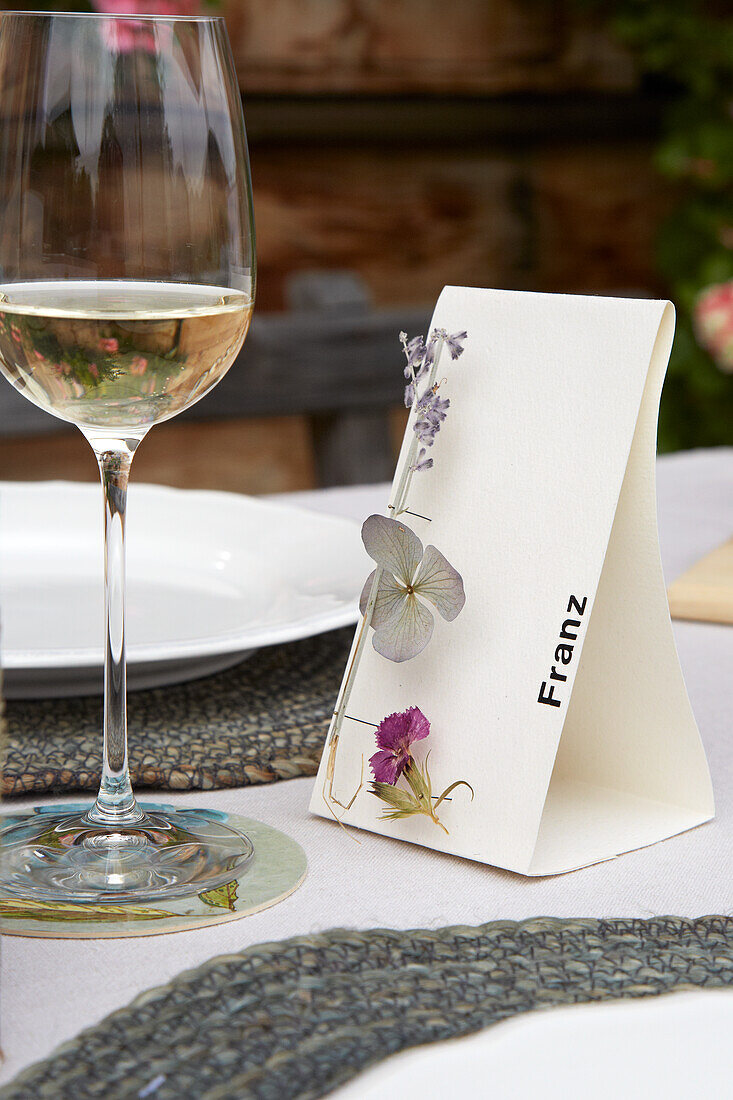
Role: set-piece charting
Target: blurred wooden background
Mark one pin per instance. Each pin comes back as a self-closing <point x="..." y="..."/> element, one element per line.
<point x="416" y="143"/>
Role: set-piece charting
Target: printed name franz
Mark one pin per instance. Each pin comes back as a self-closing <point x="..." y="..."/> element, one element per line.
<point x="563" y="653"/>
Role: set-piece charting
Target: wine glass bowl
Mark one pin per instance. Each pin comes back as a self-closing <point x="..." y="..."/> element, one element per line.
<point x="126" y="235"/>
<point x="127" y="280"/>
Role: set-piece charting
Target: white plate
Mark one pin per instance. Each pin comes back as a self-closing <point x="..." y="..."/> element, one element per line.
<point x="676" y="1047"/>
<point x="210" y="576"/>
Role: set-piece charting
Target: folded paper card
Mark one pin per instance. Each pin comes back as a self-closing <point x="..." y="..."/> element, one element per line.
<point x="551" y="682"/>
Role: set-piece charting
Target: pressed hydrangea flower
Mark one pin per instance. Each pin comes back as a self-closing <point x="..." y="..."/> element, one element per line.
<point x="395" y="735"/>
<point x="110" y="344"/>
<point x="402" y="623"/>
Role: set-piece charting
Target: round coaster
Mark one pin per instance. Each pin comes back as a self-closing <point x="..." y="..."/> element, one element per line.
<point x="276" y="871"/>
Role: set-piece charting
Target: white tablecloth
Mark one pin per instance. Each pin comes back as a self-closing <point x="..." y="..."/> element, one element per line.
<point x="51" y="989"/>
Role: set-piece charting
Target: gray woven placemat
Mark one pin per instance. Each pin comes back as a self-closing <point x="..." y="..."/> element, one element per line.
<point x="292" y="1020"/>
<point x="262" y="720"/>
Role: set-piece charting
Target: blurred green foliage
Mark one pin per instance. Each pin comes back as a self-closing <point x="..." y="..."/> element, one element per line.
<point x="690" y="45"/>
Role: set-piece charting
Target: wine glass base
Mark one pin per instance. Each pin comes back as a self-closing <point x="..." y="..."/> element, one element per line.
<point x="58" y="855"/>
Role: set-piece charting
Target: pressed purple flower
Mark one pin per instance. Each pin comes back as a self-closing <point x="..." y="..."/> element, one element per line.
<point x="395" y="735"/>
<point x="425" y="432"/>
<point x="454" y="343"/>
<point x="409" y="394"/>
<point x="414" y="353"/>
<point x="422" y="370"/>
<point x="433" y="407"/>
<point x="431" y="412"/>
<point x="430" y="349"/>
<point x="421" y="462"/>
<point x="414" y="348"/>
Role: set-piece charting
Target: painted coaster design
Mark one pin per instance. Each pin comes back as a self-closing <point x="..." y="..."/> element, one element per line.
<point x="276" y="871"/>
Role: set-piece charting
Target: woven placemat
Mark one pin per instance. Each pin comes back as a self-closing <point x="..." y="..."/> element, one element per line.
<point x="292" y="1020"/>
<point x="264" y="719"/>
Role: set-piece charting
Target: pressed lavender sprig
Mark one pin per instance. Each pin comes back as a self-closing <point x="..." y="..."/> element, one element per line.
<point x="421" y="396"/>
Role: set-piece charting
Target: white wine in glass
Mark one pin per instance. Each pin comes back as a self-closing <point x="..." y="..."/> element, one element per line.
<point x="120" y="355"/>
<point x="127" y="280"/>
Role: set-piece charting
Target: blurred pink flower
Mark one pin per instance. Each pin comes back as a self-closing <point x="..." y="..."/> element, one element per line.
<point x="94" y="370"/>
<point x="138" y="365"/>
<point x="109" y="344"/>
<point x="124" y="35"/>
<point x="713" y="320"/>
<point x="148" y="7"/>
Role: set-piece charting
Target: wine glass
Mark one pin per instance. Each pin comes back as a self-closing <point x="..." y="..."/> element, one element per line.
<point x="127" y="277"/>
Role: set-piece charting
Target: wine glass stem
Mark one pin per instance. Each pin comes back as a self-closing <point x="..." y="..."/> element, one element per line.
<point x="115" y="805"/>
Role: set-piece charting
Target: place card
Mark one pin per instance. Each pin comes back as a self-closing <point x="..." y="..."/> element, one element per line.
<point x="522" y="542"/>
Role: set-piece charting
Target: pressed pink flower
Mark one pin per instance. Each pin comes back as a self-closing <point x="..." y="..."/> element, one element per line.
<point x="138" y="365"/>
<point x="109" y="343"/>
<point x="39" y="355"/>
<point x="395" y="735"/>
<point x="94" y="370"/>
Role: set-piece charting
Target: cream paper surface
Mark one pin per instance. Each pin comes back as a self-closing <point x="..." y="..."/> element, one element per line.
<point x="542" y="491"/>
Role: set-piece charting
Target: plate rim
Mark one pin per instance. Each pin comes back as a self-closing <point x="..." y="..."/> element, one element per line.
<point x="76" y="658"/>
